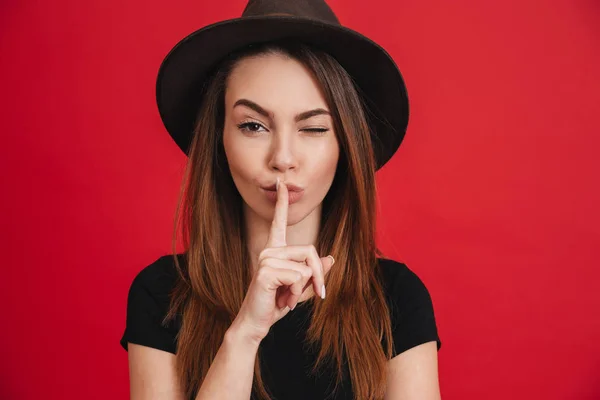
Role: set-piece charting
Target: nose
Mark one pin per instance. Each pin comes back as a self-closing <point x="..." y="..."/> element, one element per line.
<point x="283" y="156"/>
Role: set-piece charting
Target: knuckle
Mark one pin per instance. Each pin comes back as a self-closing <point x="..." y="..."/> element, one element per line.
<point x="263" y="262"/>
<point x="313" y="251"/>
<point x="263" y="273"/>
<point x="264" y="253"/>
<point x="307" y="271"/>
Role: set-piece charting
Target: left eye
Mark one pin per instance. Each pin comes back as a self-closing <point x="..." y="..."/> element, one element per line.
<point x="250" y="126"/>
<point x="316" y="131"/>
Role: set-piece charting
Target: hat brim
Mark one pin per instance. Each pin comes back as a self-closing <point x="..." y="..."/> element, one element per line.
<point x="187" y="65"/>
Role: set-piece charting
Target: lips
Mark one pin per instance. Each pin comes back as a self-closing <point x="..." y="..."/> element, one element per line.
<point x="290" y="187"/>
<point x="293" y="196"/>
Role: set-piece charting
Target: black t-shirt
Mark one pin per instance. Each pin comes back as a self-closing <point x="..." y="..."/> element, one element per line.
<point x="285" y="362"/>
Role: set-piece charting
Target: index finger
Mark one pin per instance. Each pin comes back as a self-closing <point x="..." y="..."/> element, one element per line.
<point x="279" y="225"/>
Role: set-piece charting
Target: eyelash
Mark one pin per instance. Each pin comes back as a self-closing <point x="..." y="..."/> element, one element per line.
<point x="315" y="131"/>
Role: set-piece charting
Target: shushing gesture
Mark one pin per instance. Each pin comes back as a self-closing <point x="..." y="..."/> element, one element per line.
<point x="283" y="274"/>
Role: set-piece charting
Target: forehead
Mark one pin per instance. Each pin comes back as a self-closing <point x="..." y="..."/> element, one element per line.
<point x="276" y="82"/>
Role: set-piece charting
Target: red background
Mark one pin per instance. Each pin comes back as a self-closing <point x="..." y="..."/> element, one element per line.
<point x="492" y="199"/>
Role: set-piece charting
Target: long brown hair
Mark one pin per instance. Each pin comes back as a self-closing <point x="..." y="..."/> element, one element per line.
<point x="352" y="325"/>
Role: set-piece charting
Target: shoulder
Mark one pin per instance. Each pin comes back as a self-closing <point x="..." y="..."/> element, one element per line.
<point x="401" y="282"/>
<point x="411" y="306"/>
<point x="148" y="303"/>
<point x="157" y="277"/>
<point x="151" y="288"/>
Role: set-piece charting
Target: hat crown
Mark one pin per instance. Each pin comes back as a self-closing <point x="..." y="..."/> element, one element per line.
<point x="310" y="9"/>
<point x="184" y="73"/>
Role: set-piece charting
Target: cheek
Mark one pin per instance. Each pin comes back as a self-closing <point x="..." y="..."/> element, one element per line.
<point x="330" y="156"/>
<point x="324" y="163"/>
<point x="243" y="163"/>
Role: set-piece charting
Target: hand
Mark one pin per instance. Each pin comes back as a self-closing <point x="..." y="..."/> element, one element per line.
<point x="283" y="274"/>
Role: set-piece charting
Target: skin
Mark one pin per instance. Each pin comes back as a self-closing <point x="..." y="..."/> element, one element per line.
<point x="278" y="146"/>
<point x="270" y="147"/>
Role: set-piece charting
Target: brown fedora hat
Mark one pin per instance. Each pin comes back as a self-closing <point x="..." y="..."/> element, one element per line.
<point x="189" y="63"/>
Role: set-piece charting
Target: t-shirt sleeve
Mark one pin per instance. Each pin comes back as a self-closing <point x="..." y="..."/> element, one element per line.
<point x="147" y="304"/>
<point x="413" y="318"/>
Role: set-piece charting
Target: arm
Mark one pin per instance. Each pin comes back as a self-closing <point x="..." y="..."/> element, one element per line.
<point x="152" y="372"/>
<point x="230" y="374"/>
<point x="413" y="374"/>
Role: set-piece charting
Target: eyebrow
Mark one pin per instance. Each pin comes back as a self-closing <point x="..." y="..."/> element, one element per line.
<point x="300" y="117"/>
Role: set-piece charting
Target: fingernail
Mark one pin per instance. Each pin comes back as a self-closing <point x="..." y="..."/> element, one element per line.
<point x="292" y="309"/>
<point x="277" y="183"/>
<point x="332" y="259"/>
<point x="323" y="292"/>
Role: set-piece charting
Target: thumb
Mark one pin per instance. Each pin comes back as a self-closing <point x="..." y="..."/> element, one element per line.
<point x="327" y="263"/>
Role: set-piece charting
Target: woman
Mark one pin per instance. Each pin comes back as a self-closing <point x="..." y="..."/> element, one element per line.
<point x="280" y="293"/>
